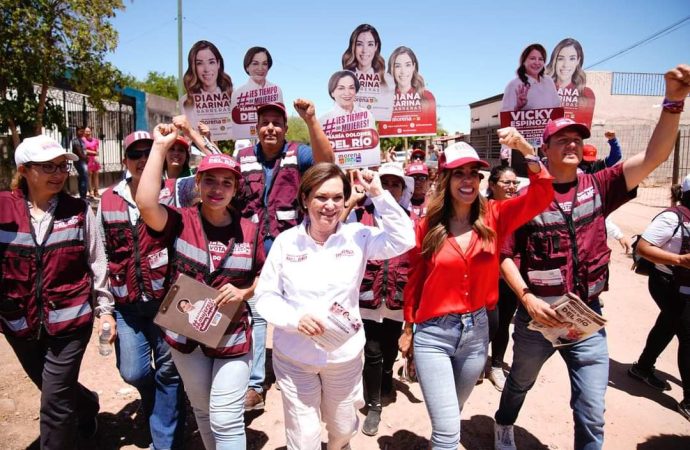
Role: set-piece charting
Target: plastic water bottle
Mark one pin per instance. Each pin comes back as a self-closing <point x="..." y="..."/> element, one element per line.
<point x="104" y="347"/>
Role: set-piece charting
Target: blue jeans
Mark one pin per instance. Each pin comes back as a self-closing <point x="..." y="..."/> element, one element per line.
<point x="82" y="178"/>
<point x="216" y="388"/>
<point x="257" y="375"/>
<point x="449" y="351"/>
<point x="139" y="344"/>
<point x="588" y="369"/>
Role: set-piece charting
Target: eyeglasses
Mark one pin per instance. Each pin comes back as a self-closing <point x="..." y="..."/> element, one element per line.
<point x="49" y="167"/>
<point x="514" y="183"/>
<point x="137" y="154"/>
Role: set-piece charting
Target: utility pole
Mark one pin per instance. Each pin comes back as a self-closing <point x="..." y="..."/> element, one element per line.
<point x="179" y="48"/>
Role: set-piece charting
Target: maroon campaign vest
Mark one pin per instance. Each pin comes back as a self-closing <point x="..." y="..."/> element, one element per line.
<point x="48" y="285"/>
<point x="236" y="267"/>
<point x="384" y="280"/>
<point x="282" y="211"/>
<point x="574" y="244"/>
<point x="138" y="263"/>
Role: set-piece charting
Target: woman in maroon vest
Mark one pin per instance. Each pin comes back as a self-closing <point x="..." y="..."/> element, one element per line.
<point x="52" y="266"/>
<point x="381" y="303"/>
<point x="214" y="245"/>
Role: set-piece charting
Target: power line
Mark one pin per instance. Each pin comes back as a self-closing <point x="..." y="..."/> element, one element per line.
<point x="658" y="34"/>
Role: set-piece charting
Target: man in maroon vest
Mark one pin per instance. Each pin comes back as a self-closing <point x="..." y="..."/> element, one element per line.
<point x="271" y="173"/>
<point x="564" y="249"/>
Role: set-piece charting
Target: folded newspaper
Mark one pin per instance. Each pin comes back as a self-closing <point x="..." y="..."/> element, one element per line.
<point x="581" y="322"/>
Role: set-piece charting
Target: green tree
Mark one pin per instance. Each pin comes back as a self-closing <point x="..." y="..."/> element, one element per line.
<point x="155" y="83"/>
<point x="297" y="130"/>
<point x="48" y="42"/>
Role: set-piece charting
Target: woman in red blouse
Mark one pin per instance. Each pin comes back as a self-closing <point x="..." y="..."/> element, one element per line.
<point x="453" y="278"/>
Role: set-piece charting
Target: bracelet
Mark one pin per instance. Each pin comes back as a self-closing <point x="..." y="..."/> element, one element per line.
<point x="534" y="159"/>
<point x="673" y="106"/>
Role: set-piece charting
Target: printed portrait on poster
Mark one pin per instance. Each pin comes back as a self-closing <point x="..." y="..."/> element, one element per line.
<point x="208" y="90"/>
<point x="414" y="106"/>
<point x="350" y="128"/>
<point x="256" y="92"/>
<point x="530" y="99"/>
<point x="565" y="68"/>
<point x="363" y="57"/>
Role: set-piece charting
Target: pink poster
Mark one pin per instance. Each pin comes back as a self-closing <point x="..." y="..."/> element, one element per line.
<point x="565" y="68"/>
<point x="414" y="106"/>
<point x="208" y="90"/>
<point x="256" y="92"/>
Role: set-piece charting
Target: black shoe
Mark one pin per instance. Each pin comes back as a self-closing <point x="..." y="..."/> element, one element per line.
<point x="88" y="430"/>
<point x="649" y="377"/>
<point x="371" y="423"/>
<point x="684" y="408"/>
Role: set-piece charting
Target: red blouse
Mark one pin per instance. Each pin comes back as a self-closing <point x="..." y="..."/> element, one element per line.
<point x="453" y="281"/>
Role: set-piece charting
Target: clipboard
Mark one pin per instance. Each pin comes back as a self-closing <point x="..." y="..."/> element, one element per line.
<point x="188" y="309"/>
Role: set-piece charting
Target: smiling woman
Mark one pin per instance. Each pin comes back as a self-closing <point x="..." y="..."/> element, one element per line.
<point x="311" y="277"/>
<point x="49" y="246"/>
<point x="216" y="246"/>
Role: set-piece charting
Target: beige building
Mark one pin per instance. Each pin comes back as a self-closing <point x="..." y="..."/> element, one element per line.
<point x="628" y="103"/>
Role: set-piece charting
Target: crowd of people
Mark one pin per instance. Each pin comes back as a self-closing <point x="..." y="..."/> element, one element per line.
<point x="348" y="267"/>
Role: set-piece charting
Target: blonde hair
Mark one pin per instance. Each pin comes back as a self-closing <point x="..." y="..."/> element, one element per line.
<point x="439" y="213"/>
<point x="19" y="182"/>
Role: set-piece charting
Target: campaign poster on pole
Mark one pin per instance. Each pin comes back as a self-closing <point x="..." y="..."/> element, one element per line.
<point x="530" y="99"/>
<point x="363" y="57"/>
<point x="208" y="90"/>
<point x="414" y="106"/>
<point x="565" y="68"/>
<point x="350" y="128"/>
<point x="256" y="92"/>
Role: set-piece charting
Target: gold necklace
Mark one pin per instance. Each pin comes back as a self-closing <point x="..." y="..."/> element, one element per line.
<point x="313" y="238"/>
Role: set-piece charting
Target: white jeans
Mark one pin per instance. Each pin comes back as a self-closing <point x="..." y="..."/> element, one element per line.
<point x="216" y="389"/>
<point x="309" y="393"/>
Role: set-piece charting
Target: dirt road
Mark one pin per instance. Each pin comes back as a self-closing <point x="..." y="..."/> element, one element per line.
<point x="636" y="416"/>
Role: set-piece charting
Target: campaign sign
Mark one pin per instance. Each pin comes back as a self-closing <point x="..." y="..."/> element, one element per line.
<point x="353" y="137"/>
<point x="414" y="114"/>
<point x="245" y="101"/>
<point x="530" y="122"/>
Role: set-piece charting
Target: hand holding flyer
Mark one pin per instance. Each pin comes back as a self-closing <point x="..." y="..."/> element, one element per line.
<point x="338" y="326"/>
<point x="579" y="322"/>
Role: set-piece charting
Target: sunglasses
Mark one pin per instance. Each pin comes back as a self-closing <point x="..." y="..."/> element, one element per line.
<point x="49" y="167"/>
<point x="417" y="158"/>
<point x="137" y="154"/>
<point x="421" y="178"/>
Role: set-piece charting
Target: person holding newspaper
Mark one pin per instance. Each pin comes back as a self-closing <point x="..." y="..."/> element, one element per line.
<point x="309" y="291"/>
<point x="453" y="279"/>
<point x="666" y="242"/>
<point x="564" y="249"/>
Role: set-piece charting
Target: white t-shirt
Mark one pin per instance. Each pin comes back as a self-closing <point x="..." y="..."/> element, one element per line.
<point x="660" y="234"/>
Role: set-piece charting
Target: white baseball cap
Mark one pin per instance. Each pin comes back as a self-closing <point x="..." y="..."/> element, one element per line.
<point x="40" y="148"/>
<point x="396" y="169"/>
<point x="685" y="187"/>
<point x="459" y="154"/>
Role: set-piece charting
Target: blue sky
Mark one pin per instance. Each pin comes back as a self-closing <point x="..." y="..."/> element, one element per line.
<point x="467" y="51"/>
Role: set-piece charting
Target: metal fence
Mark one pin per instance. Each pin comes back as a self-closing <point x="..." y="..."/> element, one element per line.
<point x="109" y="126"/>
<point x="655" y="189"/>
<point x="648" y="84"/>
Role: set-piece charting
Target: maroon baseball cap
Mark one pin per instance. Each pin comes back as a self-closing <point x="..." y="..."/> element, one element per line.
<point x="220" y="161"/>
<point x="418" y="152"/>
<point x="554" y="126"/>
<point x="417" y="169"/>
<point x="276" y="106"/>
<point x="136" y="137"/>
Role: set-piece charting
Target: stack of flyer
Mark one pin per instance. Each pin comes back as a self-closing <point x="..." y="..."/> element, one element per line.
<point x="580" y="322"/>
